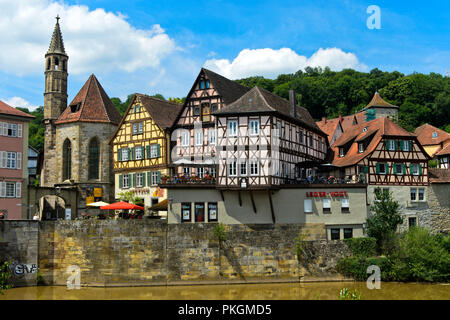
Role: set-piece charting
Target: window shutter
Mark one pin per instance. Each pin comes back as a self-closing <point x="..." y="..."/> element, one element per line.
<point x="398" y="144"/>
<point x="5" y="128"/>
<point x="119" y="154"/>
<point x="2" y="189"/>
<point x="378" y="168"/>
<point x="19" y="160"/>
<point x="404" y="168"/>
<point x="366" y="169"/>
<point x="143" y="179"/>
<point x="133" y="155"/>
<point x="410" y="145"/>
<point x="133" y="179"/>
<point x="1" y="129"/>
<point x="143" y="152"/>
<point x="386" y="144"/>
<point x="148" y="151"/>
<point x="19" y="130"/>
<point x="4" y="159"/>
<point x="149" y="179"/>
<point x="120" y="181"/>
<point x="128" y="153"/>
<point x="2" y="165"/>
<point x="420" y="169"/>
<point x="411" y="168"/>
<point x="18" y="189"/>
<point x="387" y="168"/>
<point x="158" y="148"/>
<point x="158" y="178"/>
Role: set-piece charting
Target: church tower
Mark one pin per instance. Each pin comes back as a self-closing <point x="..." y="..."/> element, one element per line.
<point x="55" y="99"/>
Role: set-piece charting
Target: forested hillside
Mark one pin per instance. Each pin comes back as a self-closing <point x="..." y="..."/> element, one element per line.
<point x="421" y="98"/>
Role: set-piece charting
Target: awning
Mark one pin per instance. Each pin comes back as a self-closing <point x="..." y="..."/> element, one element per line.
<point x="121" y="205"/>
<point x="161" y="206"/>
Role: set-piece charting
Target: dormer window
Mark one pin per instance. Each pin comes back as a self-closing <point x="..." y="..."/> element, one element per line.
<point x="207" y="84"/>
<point x="341" y="152"/>
<point x="434" y="135"/>
<point x="74" y="107"/>
<point x="360" y="147"/>
<point x="202" y="84"/>
<point x="365" y="129"/>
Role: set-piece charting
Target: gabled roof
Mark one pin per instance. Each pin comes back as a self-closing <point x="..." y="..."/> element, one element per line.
<point x="163" y="112"/>
<point x="376" y="129"/>
<point x="57" y="43"/>
<point x="377" y="101"/>
<point x="260" y="100"/>
<point x="425" y="135"/>
<point x="329" y="126"/>
<point x="92" y="104"/>
<point x="6" y="109"/>
<point x="228" y="89"/>
<point x="444" y="152"/>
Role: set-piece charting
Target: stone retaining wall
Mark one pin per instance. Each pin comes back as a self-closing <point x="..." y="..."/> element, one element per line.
<point x="149" y="252"/>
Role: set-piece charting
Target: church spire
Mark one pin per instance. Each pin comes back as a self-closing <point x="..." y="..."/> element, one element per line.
<point x="57" y="44"/>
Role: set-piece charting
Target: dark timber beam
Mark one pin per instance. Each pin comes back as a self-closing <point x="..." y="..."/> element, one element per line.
<point x="271" y="206"/>
<point x="253" y="201"/>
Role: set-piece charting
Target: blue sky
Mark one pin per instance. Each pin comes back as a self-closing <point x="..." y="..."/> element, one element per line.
<point x="159" y="46"/>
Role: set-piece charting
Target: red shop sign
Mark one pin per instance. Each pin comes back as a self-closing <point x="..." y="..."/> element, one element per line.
<point x="326" y="194"/>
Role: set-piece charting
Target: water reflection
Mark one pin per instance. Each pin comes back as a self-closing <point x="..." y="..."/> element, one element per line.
<point x="281" y="291"/>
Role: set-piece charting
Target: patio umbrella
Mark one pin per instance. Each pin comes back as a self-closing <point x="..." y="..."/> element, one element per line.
<point x="98" y="204"/>
<point x="121" y="205"/>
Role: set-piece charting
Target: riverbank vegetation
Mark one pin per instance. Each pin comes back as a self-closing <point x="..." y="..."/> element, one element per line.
<point x="5" y="274"/>
<point x="413" y="255"/>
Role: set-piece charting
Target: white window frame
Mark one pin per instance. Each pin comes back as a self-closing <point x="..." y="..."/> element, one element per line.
<point x="138" y="153"/>
<point x="126" y="178"/>
<point x="154" y="150"/>
<point x="13" y="128"/>
<point x="141" y="127"/>
<point x="401" y="168"/>
<point x="243" y="165"/>
<point x="254" y="127"/>
<point x="154" y="177"/>
<point x="125" y="154"/>
<point x="391" y="145"/>
<point x="345" y="205"/>
<point x="384" y="166"/>
<point x="232" y="168"/>
<point x="10" y="186"/>
<point x="11" y="161"/>
<point x="254" y="167"/>
<point x="423" y="194"/>
<point x="185" y="139"/>
<point x="140" y="179"/>
<point x="414" y="169"/>
<point x="135" y="128"/>
<point x="307" y="206"/>
<point x="198" y="137"/>
<point x="326" y="204"/>
<point x="212" y="136"/>
<point x="405" y="145"/>
<point x="232" y="128"/>
<point x="415" y="194"/>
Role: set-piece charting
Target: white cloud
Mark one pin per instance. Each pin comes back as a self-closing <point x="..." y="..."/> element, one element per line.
<point x="20" y="102"/>
<point x="94" y="39"/>
<point x="270" y="62"/>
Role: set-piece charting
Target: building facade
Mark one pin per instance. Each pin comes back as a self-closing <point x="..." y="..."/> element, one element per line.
<point x="77" y="154"/>
<point x="14" y="125"/>
<point x="141" y="148"/>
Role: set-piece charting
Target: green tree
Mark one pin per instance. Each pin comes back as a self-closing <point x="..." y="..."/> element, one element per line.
<point x="384" y="220"/>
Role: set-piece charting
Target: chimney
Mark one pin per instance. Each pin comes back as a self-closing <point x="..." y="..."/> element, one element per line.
<point x="293" y="103"/>
<point x="340" y="118"/>
<point x="324" y="120"/>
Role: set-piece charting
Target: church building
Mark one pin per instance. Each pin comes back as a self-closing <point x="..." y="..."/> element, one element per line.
<point x="76" y="151"/>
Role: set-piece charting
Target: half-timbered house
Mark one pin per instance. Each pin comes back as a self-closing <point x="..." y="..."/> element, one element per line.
<point x="141" y="147"/>
<point x="384" y="155"/>
<point x="194" y="132"/>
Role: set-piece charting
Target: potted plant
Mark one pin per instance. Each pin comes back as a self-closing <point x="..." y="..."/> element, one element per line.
<point x="164" y="178"/>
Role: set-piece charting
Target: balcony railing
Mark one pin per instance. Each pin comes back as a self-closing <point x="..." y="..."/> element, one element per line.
<point x="181" y="179"/>
<point x="356" y="179"/>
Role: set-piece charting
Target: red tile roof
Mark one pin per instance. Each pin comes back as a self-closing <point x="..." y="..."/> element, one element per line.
<point x="445" y="151"/>
<point x="439" y="175"/>
<point x="7" y="109"/>
<point x="329" y="127"/>
<point x="92" y="104"/>
<point x="425" y="135"/>
<point x="378" y="128"/>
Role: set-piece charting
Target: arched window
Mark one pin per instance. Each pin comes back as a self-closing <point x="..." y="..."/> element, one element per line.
<point x="67" y="160"/>
<point x="93" y="159"/>
<point x="48" y="64"/>
<point x="56" y="64"/>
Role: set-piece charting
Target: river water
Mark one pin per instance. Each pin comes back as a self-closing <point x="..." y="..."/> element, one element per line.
<point x="274" y="291"/>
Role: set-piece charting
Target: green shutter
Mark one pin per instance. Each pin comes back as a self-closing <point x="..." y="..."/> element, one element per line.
<point x="143" y="152"/>
<point x="410" y="145"/>
<point x="386" y="144"/>
<point x="133" y="180"/>
<point x="410" y="168"/>
<point x="128" y="153"/>
<point x="149" y="179"/>
<point x="119" y="155"/>
<point x="148" y="151"/>
<point x="378" y="168"/>
<point x="132" y="154"/>
<point x="143" y="179"/>
<point x="404" y="168"/>
<point x="158" y="178"/>
<point x="159" y="151"/>
<point x="366" y="169"/>
<point x="420" y="169"/>
<point x="120" y="181"/>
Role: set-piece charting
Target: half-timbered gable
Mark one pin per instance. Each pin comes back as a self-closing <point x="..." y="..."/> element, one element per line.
<point x="194" y="130"/>
<point x="383" y="152"/>
<point x="141" y="144"/>
<point x="262" y="139"/>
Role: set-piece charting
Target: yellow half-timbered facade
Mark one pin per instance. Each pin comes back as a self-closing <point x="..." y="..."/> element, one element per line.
<point x="141" y="148"/>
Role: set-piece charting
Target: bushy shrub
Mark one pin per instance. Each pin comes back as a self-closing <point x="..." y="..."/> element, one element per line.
<point x="365" y="247"/>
